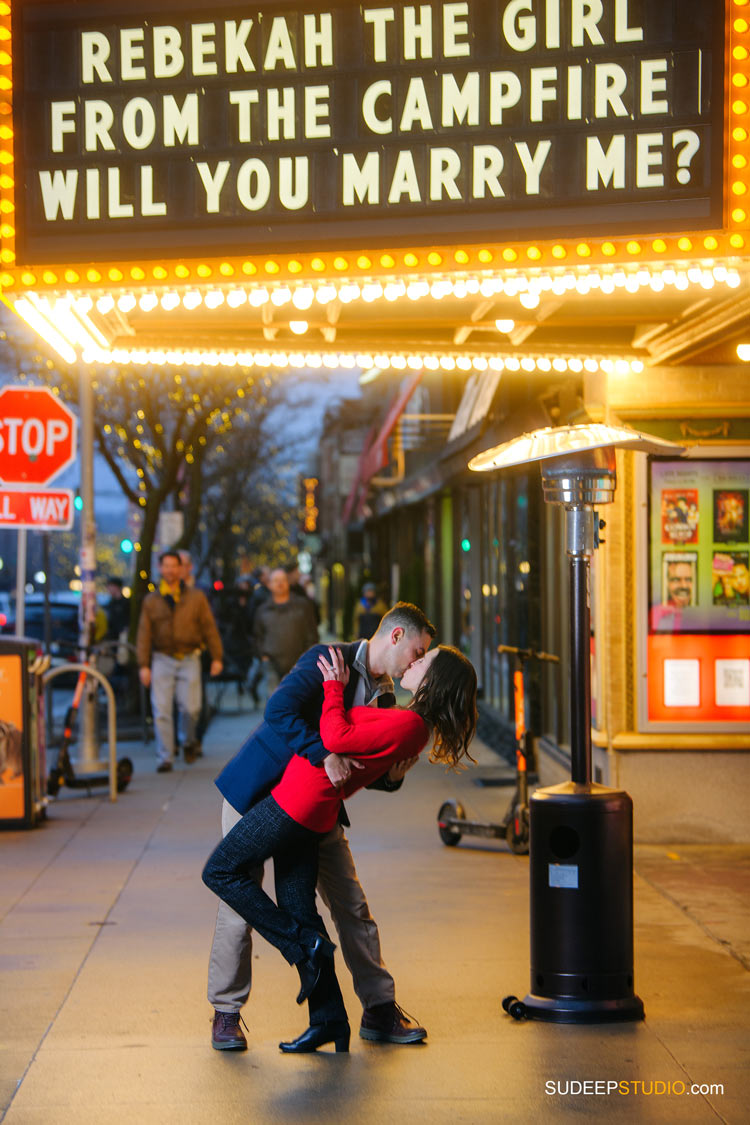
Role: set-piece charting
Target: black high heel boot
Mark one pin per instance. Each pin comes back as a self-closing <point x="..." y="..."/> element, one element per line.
<point x="309" y="969"/>
<point x="317" y="1035"/>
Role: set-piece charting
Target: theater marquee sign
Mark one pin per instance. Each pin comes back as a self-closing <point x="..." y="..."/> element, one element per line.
<point x="181" y="128"/>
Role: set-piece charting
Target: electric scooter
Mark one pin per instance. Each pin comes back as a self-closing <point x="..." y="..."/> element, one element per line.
<point x="514" y="828"/>
<point x="62" y="773"/>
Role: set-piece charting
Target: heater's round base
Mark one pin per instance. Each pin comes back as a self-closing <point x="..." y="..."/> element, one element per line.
<point x="566" y="1009"/>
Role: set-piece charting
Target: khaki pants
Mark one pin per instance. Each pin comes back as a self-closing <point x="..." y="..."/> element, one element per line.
<point x="230" y="964"/>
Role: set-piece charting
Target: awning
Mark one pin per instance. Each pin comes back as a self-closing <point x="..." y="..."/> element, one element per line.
<point x="375" y="455"/>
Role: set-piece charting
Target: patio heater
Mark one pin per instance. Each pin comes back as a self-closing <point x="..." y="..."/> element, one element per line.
<point x="581" y="833"/>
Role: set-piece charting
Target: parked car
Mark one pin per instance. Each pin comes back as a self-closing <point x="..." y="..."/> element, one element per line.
<point x="64" y="629"/>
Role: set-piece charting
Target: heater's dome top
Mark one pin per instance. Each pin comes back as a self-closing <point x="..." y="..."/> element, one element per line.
<point x="562" y="441"/>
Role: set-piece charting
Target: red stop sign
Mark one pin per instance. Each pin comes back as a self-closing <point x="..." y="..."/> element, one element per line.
<point x="37" y="435"/>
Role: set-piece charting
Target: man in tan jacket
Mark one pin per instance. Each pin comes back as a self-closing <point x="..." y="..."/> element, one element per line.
<point x="176" y="622"/>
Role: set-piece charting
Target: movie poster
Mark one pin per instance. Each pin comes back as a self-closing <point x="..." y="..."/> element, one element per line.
<point x="679" y="586"/>
<point x="730" y="576"/>
<point x="679" y="516"/>
<point x="730" y="515"/>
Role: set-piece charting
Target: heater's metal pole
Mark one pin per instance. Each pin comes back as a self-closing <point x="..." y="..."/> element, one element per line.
<point x="580" y="544"/>
<point x="580" y="671"/>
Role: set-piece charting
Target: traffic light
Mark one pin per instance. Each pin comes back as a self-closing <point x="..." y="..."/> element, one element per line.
<point x="78" y="502"/>
<point x="126" y="546"/>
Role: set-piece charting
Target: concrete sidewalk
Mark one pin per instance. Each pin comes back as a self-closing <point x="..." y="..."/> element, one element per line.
<point x="105" y="928"/>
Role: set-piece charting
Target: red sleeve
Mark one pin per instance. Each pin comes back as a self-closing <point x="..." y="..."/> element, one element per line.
<point x="378" y="730"/>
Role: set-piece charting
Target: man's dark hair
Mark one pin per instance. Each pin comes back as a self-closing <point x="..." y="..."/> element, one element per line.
<point x="115" y="580"/>
<point x="409" y="617"/>
<point x="170" y="555"/>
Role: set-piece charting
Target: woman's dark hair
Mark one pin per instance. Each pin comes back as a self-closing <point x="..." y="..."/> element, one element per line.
<point x="447" y="700"/>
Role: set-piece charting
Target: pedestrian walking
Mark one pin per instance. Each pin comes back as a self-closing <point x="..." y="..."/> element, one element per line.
<point x="175" y="624"/>
<point x="118" y="624"/>
<point x="284" y="628"/>
<point x="369" y="611"/>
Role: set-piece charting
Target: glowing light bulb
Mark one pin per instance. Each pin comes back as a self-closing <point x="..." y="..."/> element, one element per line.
<point x="303" y="297"/>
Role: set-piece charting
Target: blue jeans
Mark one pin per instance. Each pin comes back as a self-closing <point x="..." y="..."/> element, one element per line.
<point x="171" y="680"/>
<point x="292" y="922"/>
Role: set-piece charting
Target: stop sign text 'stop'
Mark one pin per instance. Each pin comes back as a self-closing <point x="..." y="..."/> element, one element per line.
<point x="37" y="435"/>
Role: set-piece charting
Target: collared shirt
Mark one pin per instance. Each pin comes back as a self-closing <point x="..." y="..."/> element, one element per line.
<point x="368" y="687"/>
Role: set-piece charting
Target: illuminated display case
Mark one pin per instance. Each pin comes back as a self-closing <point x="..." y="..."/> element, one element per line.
<point x="698" y="590"/>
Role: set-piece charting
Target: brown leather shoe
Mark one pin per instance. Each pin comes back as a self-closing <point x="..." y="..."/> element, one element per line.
<point x="387" y="1023"/>
<point x="191" y="751"/>
<point x="226" y="1033"/>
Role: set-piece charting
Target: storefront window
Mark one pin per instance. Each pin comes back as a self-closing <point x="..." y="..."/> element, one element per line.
<point x="699" y="592"/>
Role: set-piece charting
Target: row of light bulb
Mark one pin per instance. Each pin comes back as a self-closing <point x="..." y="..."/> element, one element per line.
<point x="334" y="360"/>
<point x="527" y="289"/>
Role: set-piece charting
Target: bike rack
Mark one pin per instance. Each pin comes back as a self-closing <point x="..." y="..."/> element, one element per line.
<point x="108" y="648"/>
<point x="111" y="713"/>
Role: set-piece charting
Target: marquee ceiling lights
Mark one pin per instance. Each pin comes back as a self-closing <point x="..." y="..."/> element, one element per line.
<point x="527" y="287"/>
<point x="348" y="361"/>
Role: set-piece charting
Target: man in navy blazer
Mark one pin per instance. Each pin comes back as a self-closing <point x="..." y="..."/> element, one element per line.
<point x="291" y="726"/>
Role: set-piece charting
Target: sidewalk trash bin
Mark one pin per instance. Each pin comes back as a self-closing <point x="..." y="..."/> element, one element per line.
<point x="23" y="760"/>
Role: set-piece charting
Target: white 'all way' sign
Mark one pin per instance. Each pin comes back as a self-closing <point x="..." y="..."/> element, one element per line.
<point x="49" y="509"/>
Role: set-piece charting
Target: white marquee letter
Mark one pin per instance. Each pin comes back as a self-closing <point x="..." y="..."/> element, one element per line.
<point x="532" y="165"/>
<point x="253" y="200"/>
<point x="364" y="182"/>
<point x="379" y="17"/>
<point x="487" y="167"/>
<point x="369" y="100"/>
<point x="213" y="183"/>
<point x="60" y="123"/>
<point x="94" y="54"/>
<point x="58" y="193"/>
<point x="605" y="166"/>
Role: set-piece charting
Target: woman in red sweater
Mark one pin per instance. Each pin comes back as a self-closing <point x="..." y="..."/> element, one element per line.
<point x="304" y="805"/>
